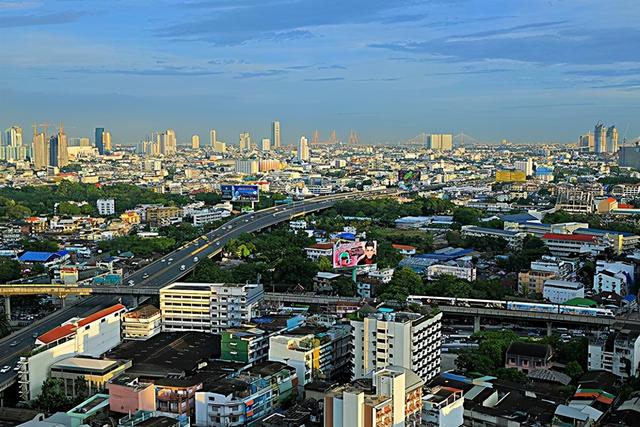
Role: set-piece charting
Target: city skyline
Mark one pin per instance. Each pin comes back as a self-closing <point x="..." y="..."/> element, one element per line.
<point x="388" y="71"/>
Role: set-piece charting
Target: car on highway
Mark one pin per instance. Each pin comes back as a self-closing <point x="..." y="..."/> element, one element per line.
<point x="163" y="260"/>
<point x="183" y="267"/>
<point x="4" y="369"/>
<point x="13" y="343"/>
<point x="195" y="259"/>
<point x="131" y="283"/>
<point x="170" y="259"/>
<point x="217" y="243"/>
<point x="145" y="275"/>
<point x="16" y="368"/>
<point x="34" y="335"/>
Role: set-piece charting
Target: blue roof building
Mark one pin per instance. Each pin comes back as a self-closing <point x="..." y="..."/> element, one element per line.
<point x="42" y="257"/>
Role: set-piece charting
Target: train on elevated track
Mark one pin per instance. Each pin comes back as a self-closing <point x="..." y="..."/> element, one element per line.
<point x="512" y="305"/>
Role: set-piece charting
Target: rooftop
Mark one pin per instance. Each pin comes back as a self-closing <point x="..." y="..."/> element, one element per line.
<point x="144" y="312"/>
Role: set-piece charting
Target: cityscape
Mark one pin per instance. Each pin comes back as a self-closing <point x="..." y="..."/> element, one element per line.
<point x="296" y="213"/>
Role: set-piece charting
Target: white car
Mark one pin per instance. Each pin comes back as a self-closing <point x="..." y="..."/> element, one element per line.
<point x="4" y="369"/>
<point x="195" y="259"/>
<point x="183" y="267"/>
<point x="131" y="282"/>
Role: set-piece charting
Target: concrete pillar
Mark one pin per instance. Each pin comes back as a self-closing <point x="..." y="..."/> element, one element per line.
<point x="7" y="307"/>
<point x="62" y="300"/>
<point x="476" y="324"/>
<point x="549" y="328"/>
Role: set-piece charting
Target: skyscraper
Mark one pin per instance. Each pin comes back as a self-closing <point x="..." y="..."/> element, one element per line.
<point x="40" y="149"/>
<point x="167" y="141"/>
<point x="213" y="137"/>
<point x="58" y="155"/>
<point x="440" y="142"/>
<point x="303" y="149"/>
<point x="195" y="142"/>
<point x="275" y="134"/>
<point x="600" y="138"/>
<point x="245" y="141"/>
<point x="106" y="139"/>
<point x="612" y="139"/>
<point x="587" y="143"/>
<point x="13" y="147"/>
<point x="266" y="144"/>
<point x="100" y="140"/>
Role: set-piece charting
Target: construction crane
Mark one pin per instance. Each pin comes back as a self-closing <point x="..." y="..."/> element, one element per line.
<point x="316" y="137"/>
<point x="45" y="126"/>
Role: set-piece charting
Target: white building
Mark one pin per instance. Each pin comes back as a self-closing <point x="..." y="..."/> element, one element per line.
<point x="613" y="277"/>
<point x="93" y="336"/>
<point x="514" y="238"/>
<point x="560" y="291"/>
<point x="443" y="407"/>
<point x="410" y="340"/>
<point x="319" y="250"/>
<point x="206" y="216"/>
<point x="265" y="144"/>
<point x="617" y="352"/>
<point x="526" y="166"/>
<point x="465" y="273"/>
<point x="303" y="150"/>
<point x="572" y="244"/>
<point x="106" y="206"/>
<point x="208" y="307"/>
<point x="562" y="269"/>
<point x="247" y="167"/>
<point x="300" y="224"/>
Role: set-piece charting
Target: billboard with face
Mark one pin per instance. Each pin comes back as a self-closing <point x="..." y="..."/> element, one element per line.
<point x="353" y="254"/>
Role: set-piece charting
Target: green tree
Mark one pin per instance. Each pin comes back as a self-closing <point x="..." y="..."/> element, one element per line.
<point x="40" y="245"/>
<point x="574" y="370"/>
<point x="511" y="374"/>
<point x="403" y="283"/>
<point x="344" y="286"/>
<point x="467" y="216"/>
<point x="9" y="270"/>
<point x="52" y="398"/>
<point x="324" y="264"/>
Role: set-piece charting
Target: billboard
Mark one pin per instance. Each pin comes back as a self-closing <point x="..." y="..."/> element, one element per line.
<point x="240" y="193"/>
<point x="354" y="254"/>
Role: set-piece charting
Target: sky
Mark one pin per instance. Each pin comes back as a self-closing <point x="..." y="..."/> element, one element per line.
<point x="523" y="70"/>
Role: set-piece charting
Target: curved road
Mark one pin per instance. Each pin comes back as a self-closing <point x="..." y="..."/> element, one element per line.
<point x="169" y="269"/>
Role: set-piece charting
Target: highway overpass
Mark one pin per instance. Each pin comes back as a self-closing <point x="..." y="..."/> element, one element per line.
<point x="167" y="269"/>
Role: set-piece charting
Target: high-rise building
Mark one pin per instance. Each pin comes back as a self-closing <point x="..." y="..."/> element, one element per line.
<point x="245" y="141"/>
<point x="630" y="156"/>
<point x="13" y="148"/>
<point x="195" y="142"/>
<point x="220" y="147"/>
<point x="440" y="142"/>
<point x="58" y="154"/>
<point x="100" y="140"/>
<point x="167" y="142"/>
<point x="247" y="167"/>
<point x="410" y="340"/>
<point x="40" y="149"/>
<point x="84" y="142"/>
<point x="106" y="206"/>
<point x="587" y="143"/>
<point x="303" y="149"/>
<point x="213" y="137"/>
<point x="266" y="144"/>
<point x="612" y="139"/>
<point x="600" y="138"/>
<point x="275" y="134"/>
<point x="526" y="166"/>
<point x="107" y="141"/>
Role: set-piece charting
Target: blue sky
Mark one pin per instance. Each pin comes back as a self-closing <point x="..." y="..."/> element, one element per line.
<point x="526" y="70"/>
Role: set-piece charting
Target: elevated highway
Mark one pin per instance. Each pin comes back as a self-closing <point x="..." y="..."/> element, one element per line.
<point x="169" y="268"/>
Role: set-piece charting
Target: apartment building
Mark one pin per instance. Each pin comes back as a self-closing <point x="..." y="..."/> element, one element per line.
<point x="160" y="216"/>
<point x="393" y="397"/>
<point x="461" y="272"/>
<point x="208" y="307"/>
<point x="561" y="291"/>
<point x="532" y="281"/>
<point x="410" y="340"/>
<point x="93" y="336"/>
<point x="106" y="206"/>
<point x="320" y="354"/>
<point x="617" y="352"/>
<point x="563" y="245"/>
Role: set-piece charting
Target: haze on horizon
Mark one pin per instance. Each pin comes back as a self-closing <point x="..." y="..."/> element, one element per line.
<point x="523" y="70"/>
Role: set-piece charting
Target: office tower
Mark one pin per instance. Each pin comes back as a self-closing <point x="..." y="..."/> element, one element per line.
<point x="106" y="206"/>
<point x="40" y="149"/>
<point x="587" y="143"/>
<point x="303" y="149"/>
<point x="58" y="155"/>
<point x="219" y="147"/>
<point x="526" y="166"/>
<point x="409" y="340"/>
<point x="106" y="139"/>
<point x="245" y="141"/>
<point x="54" y="148"/>
<point x="600" y="137"/>
<point x="275" y="134"/>
<point x="266" y="144"/>
<point x="167" y="142"/>
<point x="195" y="142"/>
<point x="630" y="156"/>
<point x="74" y="142"/>
<point x="612" y="139"/>
<point x="84" y="142"/>
<point x="213" y="137"/>
<point x="440" y="142"/>
<point x="100" y="140"/>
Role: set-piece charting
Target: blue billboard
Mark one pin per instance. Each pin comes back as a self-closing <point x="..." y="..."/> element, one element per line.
<point x="240" y="193"/>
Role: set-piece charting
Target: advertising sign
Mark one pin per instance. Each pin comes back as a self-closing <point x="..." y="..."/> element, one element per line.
<point x="354" y="254"/>
<point x="408" y="179"/>
<point x="240" y="193"/>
